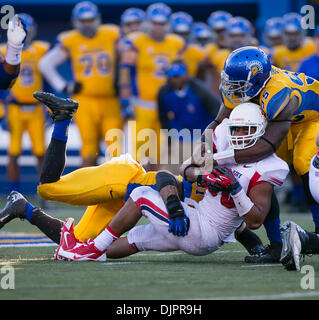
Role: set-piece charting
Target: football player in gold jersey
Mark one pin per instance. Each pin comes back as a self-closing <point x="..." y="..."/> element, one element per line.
<point x="296" y="47"/>
<point x="142" y="73"/>
<point x="92" y="50"/>
<point x="24" y="112"/>
<point x="290" y="102"/>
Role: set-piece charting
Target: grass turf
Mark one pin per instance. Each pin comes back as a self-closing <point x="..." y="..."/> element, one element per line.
<point x="152" y="275"/>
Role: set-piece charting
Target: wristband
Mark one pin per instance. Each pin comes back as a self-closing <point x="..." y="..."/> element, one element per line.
<point x="13" y="54"/>
<point x="236" y="190"/>
<point x="242" y="202"/>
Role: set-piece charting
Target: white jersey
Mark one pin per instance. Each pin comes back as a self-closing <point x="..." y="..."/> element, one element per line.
<point x="220" y="210"/>
<point x="213" y="220"/>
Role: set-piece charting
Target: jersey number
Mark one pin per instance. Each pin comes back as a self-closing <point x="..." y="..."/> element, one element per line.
<point x="294" y="77"/>
<point x="26" y="76"/>
<point x="226" y="200"/>
<point x="102" y="62"/>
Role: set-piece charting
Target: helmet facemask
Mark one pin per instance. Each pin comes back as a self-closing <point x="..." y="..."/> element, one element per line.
<point x="246" y="124"/>
<point x="240" y="91"/>
<point x="244" y="141"/>
<point x="235" y="91"/>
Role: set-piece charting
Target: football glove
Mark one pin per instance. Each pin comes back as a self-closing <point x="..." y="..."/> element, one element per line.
<point x="17" y="32"/>
<point x="225" y="179"/>
<point x="210" y="182"/>
<point x="178" y="222"/>
<point x="127" y="110"/>
<point x="72" y="87"/>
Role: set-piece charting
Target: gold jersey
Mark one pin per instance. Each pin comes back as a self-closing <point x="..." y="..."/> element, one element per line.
<point x="93" y="59"/>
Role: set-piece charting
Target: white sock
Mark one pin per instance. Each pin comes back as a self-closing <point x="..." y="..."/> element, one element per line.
<point x="105" y="239"/>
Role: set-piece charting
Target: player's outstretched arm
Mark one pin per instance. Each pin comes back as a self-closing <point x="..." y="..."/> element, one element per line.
<point x="276" y="131"/>
<point x="10" y="66"/>
<point x="48" y="67"/>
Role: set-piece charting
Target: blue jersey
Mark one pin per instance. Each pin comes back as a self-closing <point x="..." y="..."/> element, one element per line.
<point x="192" y="110"/>
<point x="310" y="67"/>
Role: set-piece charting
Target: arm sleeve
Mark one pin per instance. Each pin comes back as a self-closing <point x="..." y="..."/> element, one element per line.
<point x="48" y="67"/>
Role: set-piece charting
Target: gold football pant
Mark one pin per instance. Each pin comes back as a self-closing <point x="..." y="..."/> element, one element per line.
<point x="299" y="146"/>
<point x="95" y="117"/>
<point x="30" y="119"/>
<point x="102" y="188"/>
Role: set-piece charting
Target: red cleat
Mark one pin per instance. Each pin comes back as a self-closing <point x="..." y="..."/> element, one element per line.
<point x="83" y="252"/>
<point x="67" y="238"/>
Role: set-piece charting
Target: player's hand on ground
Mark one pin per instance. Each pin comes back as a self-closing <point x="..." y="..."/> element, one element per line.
<point x="17" y="31"/>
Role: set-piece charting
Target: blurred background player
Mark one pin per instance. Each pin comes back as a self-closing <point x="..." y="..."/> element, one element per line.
<point x="10" y="63"/>
<point x="184" y="102"/>
<point x="238" y="33"/>
<point x="273" y="32"/>
<point x="201" y="34"/>
<point x="296" y="46"/>
<point x="24" y="112"/>
<point x="91" y="47"/>
<point x="218" y="22"/>
<point x="310" y="66"/>
<point x="132" y="20"/>
<point x="193" y="55"/>
<point x="142" y="72"/>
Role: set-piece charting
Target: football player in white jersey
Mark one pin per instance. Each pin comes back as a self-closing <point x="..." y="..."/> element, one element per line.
<point x="235" y="197"/>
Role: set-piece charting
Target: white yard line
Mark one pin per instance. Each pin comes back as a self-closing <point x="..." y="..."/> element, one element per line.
<point x="287" y="295"/>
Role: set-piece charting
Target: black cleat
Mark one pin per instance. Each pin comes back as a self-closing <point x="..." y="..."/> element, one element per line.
<point x="15" y="208"/>
<point x="294" y="240"/>
<point x="60" y="108"/>
<point x="270" y="254"/>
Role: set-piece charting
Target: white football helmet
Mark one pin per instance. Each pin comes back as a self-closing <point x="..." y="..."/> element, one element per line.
<point x="250" y="116"/>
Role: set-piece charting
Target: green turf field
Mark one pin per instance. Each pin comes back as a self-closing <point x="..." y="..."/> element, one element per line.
<point x="152" y="275"/>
